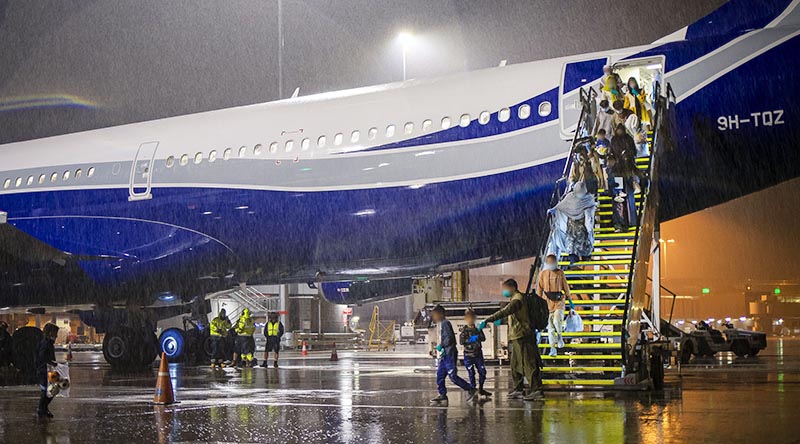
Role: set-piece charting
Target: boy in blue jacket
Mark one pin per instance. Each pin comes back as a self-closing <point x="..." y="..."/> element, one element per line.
<point x="471" y="338"/>
<point x="448" y="355"/>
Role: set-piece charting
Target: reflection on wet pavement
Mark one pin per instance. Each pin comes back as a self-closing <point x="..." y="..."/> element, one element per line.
<point x="383" y="398"/>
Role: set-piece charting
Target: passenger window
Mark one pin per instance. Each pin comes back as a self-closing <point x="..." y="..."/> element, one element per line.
<point x="7" y="183"/>
<point x="184" y="160"/>
<point x="337" y="139"/>
<point x="426" y="125"/>
<point x="227" y="153"/>
<point x="464" y="122"/>
<point x="66" y="175"/>
<point x="289" y="145"/>
<point x="321" y="141"/>
<point x="305" y="144"/>
<point x="212" y="156"/>
<point x="89" y="173"/>
<point x="355" y="136"/>
<point x="257" y="150"/>
<point x="78" y="173"/>
<point x="242" y="151"/>
<point x="484" y="117"/>
<point x="372" y="133"/>
<point x="18" y="182"/>
<point x="390" y="131"/>
<point x="198" y="158"/>
<point x="408" y="128"/>
<point x="545" y="108"/>
<point x="54" y="177"/>
<point x="273" y="147"/>
<point x="42" y="178"/>
<point x="30" y="180"/>
<point x="170" y="161"/>
<point x="445" y="122"/>
<point x="504" y="114"/>
<point x="524" y="112"/>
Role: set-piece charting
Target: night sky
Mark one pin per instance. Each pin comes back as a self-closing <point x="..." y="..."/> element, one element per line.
<point x="111" y="63"/>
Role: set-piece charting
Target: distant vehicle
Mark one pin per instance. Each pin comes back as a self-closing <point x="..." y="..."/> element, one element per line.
<point x="707" y="341"/>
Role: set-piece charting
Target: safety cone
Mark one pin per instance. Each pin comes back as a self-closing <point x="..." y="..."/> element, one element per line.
<point x="305" y="349"/>
<point x="69" y="351"/>
<point x="164" y="394"/>
<point x="334" y="355"/>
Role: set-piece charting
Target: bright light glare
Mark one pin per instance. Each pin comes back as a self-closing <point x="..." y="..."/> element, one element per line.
<point x="405" y="37"/>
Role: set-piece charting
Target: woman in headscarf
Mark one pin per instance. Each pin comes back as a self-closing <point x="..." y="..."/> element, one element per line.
<point x="573" y="227"/>
<point x="636" y="101"/>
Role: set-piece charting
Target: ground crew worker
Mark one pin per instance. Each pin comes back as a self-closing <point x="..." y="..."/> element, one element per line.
<point x="245" y="344"/>
<point x="274" y="332"/>
<point x="219" y="330"/>
<point x="525" y="359"/>
<point x="5" y="345"/>
<point x="45" y="358"/>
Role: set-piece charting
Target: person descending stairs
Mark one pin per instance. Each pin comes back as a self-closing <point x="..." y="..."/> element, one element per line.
<point x="591" y="354"/>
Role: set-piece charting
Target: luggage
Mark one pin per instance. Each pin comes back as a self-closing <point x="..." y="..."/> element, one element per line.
<point x="573" y="323"/>
<point x="619" y="215"/>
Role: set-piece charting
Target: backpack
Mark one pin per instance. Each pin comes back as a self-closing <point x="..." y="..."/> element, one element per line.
<point x="538" y="313"/>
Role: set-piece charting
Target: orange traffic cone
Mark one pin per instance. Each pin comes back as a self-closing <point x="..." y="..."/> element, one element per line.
<point x="334" y="355"/>
<point x="305" y="349"/>
<point x="69" y="351"/>
<point x="164" y="394"/>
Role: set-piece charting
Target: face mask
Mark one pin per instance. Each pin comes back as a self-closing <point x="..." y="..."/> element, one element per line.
<point x="506" y="294"/>
<point x="549" y="266"/>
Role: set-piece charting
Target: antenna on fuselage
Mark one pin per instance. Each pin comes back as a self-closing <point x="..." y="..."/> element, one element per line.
<point x="502" y="63"/>
<point x="296" y="93"/>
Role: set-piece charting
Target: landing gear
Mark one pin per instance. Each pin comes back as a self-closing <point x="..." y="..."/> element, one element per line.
<point x="125" y="347"/>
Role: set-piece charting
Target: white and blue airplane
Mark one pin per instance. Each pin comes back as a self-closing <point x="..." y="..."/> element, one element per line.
<point x="390" y="181"/>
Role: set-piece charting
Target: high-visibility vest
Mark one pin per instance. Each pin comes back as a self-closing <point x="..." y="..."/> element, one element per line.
<point x="273" y="328"/>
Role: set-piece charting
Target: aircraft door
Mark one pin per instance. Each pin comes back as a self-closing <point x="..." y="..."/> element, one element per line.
<point x="575" y="75"/>
<point x="142" y="172"/>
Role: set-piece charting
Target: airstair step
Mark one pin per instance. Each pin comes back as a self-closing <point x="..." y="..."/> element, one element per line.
<point x="597" y="281"/>
<point x="598" y="301"/>
<point x="599" y="312"/>
<point x="578" y="382"/>
<point x="606" y="357"/>
<point x="614" y="243"/>
<point x="590" y="272"/>
<point x="583" y="346"/>
<point x="602" y="322"/>
<point x="598" y="262"/>
<point x="579" y="369"/>
<point x="598" y="290"/>
<point x="590" y="334"/>
<point x="608" y="233"/>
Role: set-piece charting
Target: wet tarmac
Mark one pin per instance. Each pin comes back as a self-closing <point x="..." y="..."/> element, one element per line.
<point x="383" y="398"/>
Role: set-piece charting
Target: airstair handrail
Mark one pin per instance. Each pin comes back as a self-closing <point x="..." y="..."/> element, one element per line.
<point x="643" y="238"/>
<point x="586" y="96"/>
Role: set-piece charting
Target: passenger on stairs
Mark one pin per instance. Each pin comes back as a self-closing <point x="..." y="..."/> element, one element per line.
<point x="573" y="230"/>
<point x="626" y="118"/>
<point x="636" y="102"/>
<point x="586" y="168"/>
<point x="553" y="287"/>
<point x="621" y="178"/>
<point x="604" y="120"/>
<point x="523" y="349"/>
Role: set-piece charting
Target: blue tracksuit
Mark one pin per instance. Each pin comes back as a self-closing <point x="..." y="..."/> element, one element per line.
<point x="473" y="354"/>
<point x="448" y="366"/>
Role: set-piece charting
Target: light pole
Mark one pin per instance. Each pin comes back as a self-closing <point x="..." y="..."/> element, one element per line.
<point x="664" y="244"/>
<point x="405" y="38"/>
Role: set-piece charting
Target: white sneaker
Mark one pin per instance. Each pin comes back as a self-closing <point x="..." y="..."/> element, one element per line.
<point x="560" y="343"/>
<point x="553" y="352"/>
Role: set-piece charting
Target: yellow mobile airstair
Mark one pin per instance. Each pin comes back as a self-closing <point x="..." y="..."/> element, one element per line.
<point x="619" y="346"/>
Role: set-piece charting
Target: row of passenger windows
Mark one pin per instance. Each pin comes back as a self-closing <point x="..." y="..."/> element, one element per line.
<point x="523" y="113"/>
<point x="65" y="176"/>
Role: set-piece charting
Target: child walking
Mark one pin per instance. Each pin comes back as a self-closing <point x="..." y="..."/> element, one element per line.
<point x="448" y="359"/>
<point x="471" y="338"/>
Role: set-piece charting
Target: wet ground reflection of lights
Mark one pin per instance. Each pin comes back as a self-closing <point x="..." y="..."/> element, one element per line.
<point x="383" y="398"/>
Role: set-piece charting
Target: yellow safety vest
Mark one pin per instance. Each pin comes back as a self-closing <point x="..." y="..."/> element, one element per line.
<point x="273" y="328"/>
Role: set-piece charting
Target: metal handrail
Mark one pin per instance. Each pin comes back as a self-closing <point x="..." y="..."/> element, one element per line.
<point x="585" y="97"/>
<point x="674" y="296"/>
<point x="644" y="228"/>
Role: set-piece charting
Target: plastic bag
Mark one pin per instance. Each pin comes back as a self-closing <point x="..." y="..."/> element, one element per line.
<point x="59" y="382"/>
<point x="573" y="323"/>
